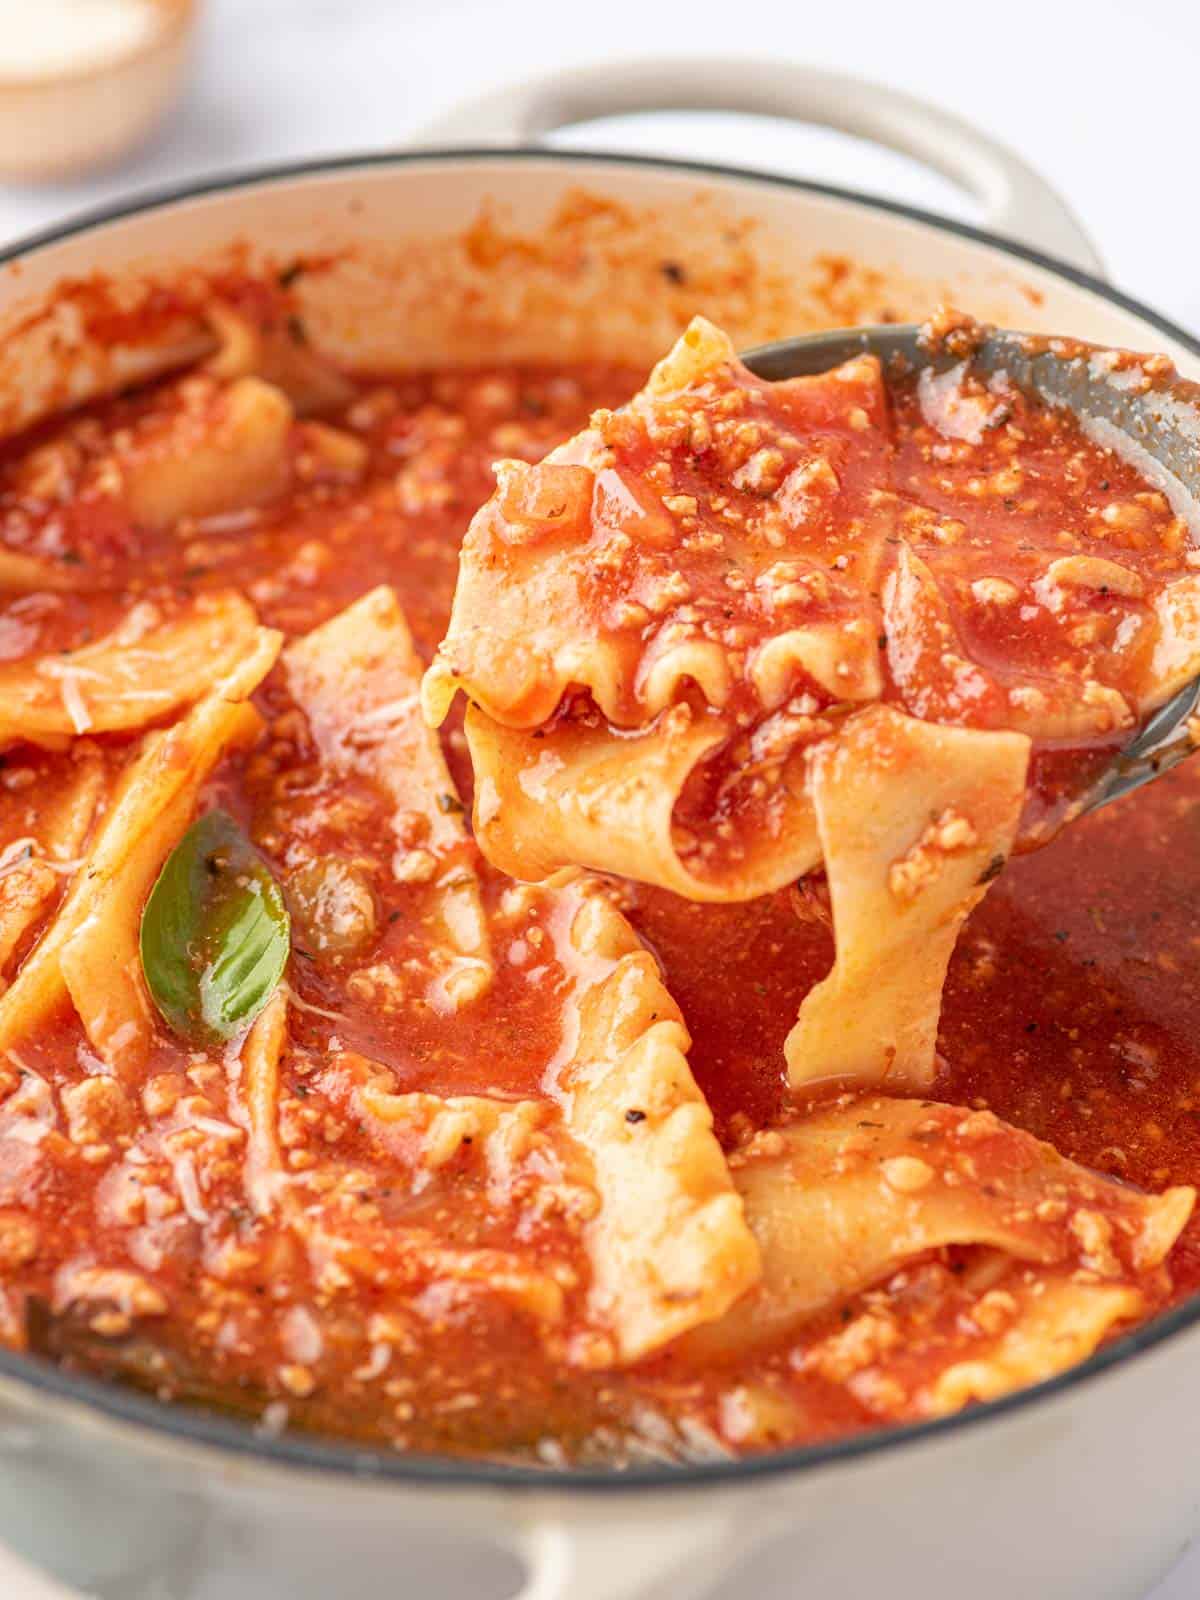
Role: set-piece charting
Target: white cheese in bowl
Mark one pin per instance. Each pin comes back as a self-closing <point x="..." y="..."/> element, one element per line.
<point x="53" y="38"/>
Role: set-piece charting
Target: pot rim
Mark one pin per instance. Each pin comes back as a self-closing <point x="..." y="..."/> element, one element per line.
<point x="192" y="1425"/>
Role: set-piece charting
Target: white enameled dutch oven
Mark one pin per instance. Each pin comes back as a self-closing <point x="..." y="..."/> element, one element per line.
<point x="1084" y="1488"/>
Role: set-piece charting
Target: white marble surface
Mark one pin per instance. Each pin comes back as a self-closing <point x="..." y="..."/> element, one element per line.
<point x="1100" y="97"/>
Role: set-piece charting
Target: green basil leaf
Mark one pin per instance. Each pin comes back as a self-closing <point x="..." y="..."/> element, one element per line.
<point x="215" y="933"/>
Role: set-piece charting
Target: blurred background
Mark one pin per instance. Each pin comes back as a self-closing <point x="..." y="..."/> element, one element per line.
<point x="1099" y="97"/>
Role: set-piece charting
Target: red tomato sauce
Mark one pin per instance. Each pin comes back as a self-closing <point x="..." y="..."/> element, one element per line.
<point x="1071" y="1009"/>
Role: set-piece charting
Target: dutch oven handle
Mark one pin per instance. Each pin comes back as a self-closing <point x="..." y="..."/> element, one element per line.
<point x="1015" y="201"/>
<point x="666" y="1555"/>
<point x="669" y="1551"/>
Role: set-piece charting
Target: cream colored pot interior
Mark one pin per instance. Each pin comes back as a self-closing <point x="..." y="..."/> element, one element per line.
<point x="453" y="260"/>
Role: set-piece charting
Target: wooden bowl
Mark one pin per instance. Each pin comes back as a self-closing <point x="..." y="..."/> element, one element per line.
<point x="63" y="123"/>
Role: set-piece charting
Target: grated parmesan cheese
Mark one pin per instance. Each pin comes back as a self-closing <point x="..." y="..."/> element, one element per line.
<point x="188" y="1186"/>
<point x="303" y="1005"/>
<point x="76" y="705"/>
<point x="274" y="1420"/>
<point x="376" y="1364"/>
<point x="24" y="852"/>
<point x="64" y="36"/>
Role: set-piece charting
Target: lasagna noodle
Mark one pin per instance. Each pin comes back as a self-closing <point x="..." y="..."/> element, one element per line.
<point x="265" y="1176"/>
<point x="431" y="1131"/>
<point x="508" y="1152"/>
<point x="230" y="451"/>
<point x="1175" y="660"/>
<point x="691" y="618"/>
<point x="90" y="949"/>
<point x="1060" y="1326"/>
<point x="627" y="1138"/>
<point x="266" y="348"/>
<point x="576" y="795"/>
<point x="26" y="574"/>
<point x="843" y="1197"/>
<point x="669" y="1248"/>
<point x="357" y="679"/>
<point x="493" y="1133"/>
<point x="1171" y="658"/>
<point x="914" y="821"/>
<point x="64" y="822"/>
<point x="937" y="680"/>
<point x="142" y="672"/>
<point x="525" y="625"/>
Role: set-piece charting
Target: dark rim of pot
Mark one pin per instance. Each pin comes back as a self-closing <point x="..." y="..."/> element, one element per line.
<point x="195" y="1426"/>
